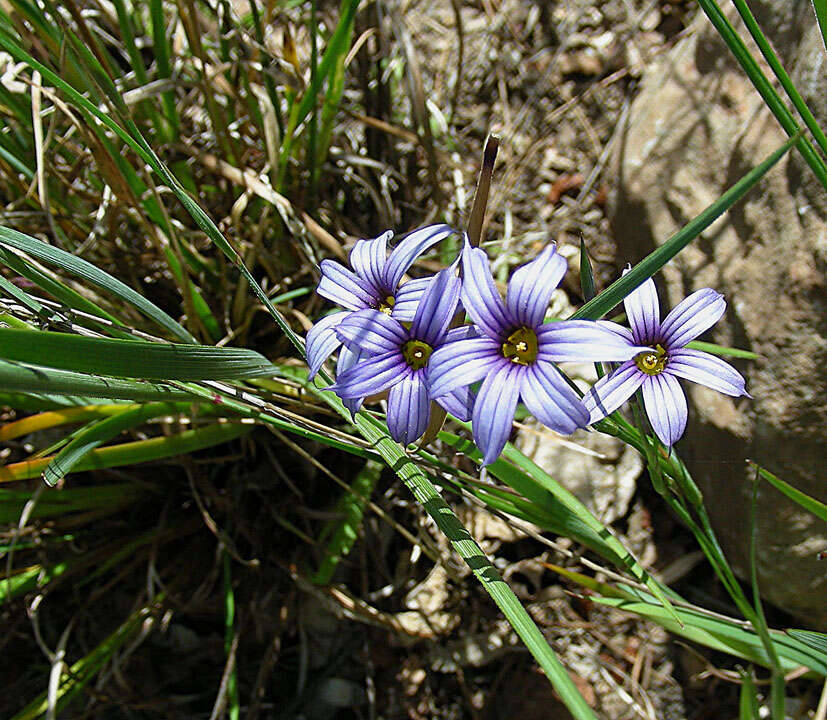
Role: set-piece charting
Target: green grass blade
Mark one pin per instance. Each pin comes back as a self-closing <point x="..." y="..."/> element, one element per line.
<point x="820" y="9"/>
<point x="81" y="673"/>
<point x="721" y="350"/>
<point x="763" y="86"/>
<point x="78" y="267"/>
<point x="343" y="531"/>
<point x="29" y="579"/>
<point x="815" y="640"/>
<point x="646" y="268"/>
<point x="21" y="378"/>
<point x="131" y="358"/>
<point x="817" y="508"/>
<point x="139" y="451"/>
<point x="97" y="433"/>
<point x="783" y="78"/>
<point x="68" y="500"/>
<point x="748" y="698"/>
<point x="230" y="638"/>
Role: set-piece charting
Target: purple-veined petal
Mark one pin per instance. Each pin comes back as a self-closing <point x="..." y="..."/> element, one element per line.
<point x="583" y="341"/>
<point x="407" y="297"/>
<point x="436" y="308"/>
<point x="404" y="254"/>
<point x="479" y="294"/>
<point x="665" y="405"/>
<point x="409" y="408"/>
<point x="643" y="311"/>
<point x="322" y="340"/>
<point x="372" y="331"/>
<point x="494" y="410"/>
<point x="459" y="402"/>
<point x="624" y="332"/>
<point x="550" y="399"/>
<point x="465" y="332"/>
<point x="705" y="369"/>
<point x="345" y="288"/>
<point x="367" y="258"/>
<point x="531" y="286"/>
<point x="371" y="375"/>
<point x="692" y="316"/>
<point x="347" y="359"/>
<point x="461" y="363"/>
<point x="611" y="391"/>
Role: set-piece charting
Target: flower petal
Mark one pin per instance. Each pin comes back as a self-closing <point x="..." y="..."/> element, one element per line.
<point x="459" y="402"/>
<point x="461" y="363"/>
<point x="368" y="257"/>
<point x="344" y="287"/>
<point x="409" y="408"/>
<point x="706" y="369"/>
<point x="404" y="254"/>
<point x="550" y="399"/>
<point x="437" y="308"/>
<point x="531" y="286"/>
<point x="583" y="341"/>
<point x="643" y="311"/>
<point x="371" y="375"/>
<point x="692" y="316"/>
<point x="624" y="332"/>
<point x="479" y="294"/>
<point x="407" y="297"/>
<point x="612" y="390"/>
<point x="665" y="405"/>
<point x="372" y="331"/>
<point x="321" y="341"/>
<point x="494" y="410"/>
<point x="347" y="359"/>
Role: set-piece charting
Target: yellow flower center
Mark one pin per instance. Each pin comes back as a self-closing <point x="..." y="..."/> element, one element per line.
<point x="386" y="306"/>
<point x="416" y="353"/>
<point x="653" y="361"/>
<point x="521" y="346"/>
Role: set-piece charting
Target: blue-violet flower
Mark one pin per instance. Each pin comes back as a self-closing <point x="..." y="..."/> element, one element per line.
<point x="394" y="357"/>
<point x="373" y="283"/>
<point x="656" y="370"/>
<point x="514" y="353"/>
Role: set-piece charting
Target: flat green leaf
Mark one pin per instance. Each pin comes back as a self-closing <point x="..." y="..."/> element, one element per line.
<point x="131" y="358"/>
<point x="817" y="508"/>
<point x="79" y="267"/>
<point x="97" y="433"/>
<point x="815" y="640"/>
<point x="646" y="268"/>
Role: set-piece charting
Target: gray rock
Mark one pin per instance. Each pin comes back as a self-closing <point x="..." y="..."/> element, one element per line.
<point x="695" y="128"/>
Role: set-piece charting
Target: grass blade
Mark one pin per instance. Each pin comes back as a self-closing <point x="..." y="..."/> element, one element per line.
<point x="817" y="508"/>
<point x="131" y="358"/>
<point x="131" y="453"/>
<point x="14" y="240"/>
<point x="646" y="268"/>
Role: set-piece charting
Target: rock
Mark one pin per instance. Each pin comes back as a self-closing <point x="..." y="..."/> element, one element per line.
<point x="696" y="127"/>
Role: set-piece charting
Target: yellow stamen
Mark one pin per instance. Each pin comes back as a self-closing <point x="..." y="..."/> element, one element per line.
<point x="521" y="346"/>
<point x="416" y="353"/>
<point x="386" y="306"/>
<point x="653" y="361"/>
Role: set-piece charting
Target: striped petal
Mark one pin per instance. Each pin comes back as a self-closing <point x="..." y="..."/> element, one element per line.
<point x="404" y="254"/>
<point x="322" y="340"/>
<point x="371" y="331"/>
<point x="345" y="288"/>
<point x="479" y="294"/>
<point x="371" y="375"/>
<point x="530" y="287"/>
<point x="461" y="363"/>
<point x="409" y="408"/>
<point x="706" y="369"/>
<point x="583" y="341"/>
<point x="643" y="311"/>
<point x="368" y="257"/>
<point x="692" y="316"/>
<point x="494" y="410"/>
<point x="436" y="309"/>
<point x="407" y="297"/>
<point x="550" y="399"/>
<point x="611" y="391"/>
<point x="665" y="405"/>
